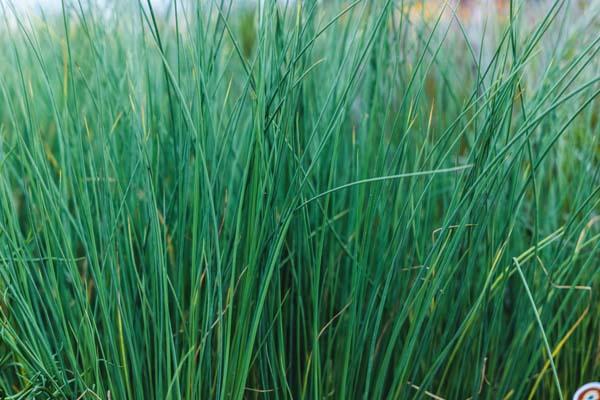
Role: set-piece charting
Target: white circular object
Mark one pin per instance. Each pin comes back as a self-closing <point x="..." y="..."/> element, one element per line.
<point x="589" y="391"/>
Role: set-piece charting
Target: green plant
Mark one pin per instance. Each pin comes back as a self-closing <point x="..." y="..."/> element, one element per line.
<point x="309" y="200"/>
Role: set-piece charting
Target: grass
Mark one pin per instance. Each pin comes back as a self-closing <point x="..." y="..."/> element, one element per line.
<point x="299" y="200"/>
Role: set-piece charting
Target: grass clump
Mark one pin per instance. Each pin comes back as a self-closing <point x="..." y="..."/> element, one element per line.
<point x="366" y="199"/>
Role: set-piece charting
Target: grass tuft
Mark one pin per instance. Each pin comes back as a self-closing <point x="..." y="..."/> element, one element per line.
<point x="299" y="199"/>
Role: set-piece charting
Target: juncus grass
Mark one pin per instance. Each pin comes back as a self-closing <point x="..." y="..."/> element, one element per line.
<point x="301" y="199"/>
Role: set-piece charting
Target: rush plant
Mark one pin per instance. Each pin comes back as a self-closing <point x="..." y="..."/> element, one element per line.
<point x="299" y="199"/>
